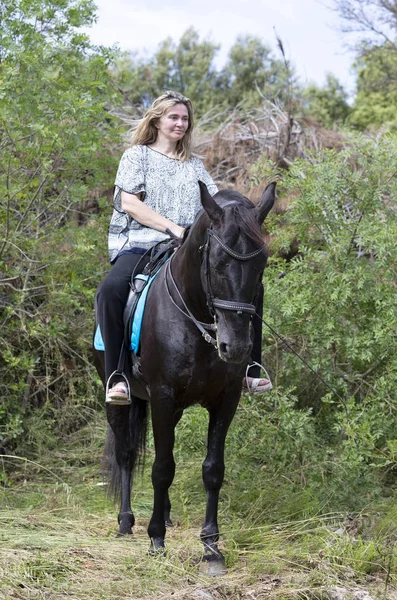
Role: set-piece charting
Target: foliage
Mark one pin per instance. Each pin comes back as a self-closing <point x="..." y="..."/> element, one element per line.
<point x="334" y="303"/>
<point x="373" y="24"/>
<point x="251" y="71"/>
<point x="55" y="136"/>
<point x="376" y="99"/>
<point x="188" y="66"/>
<point x="132" y="76"/>
<point x="328" y="104"/>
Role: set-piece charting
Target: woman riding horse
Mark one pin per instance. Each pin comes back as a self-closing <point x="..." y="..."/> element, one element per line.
<point x="197" y="327"/>
<point x="156" y="192"/>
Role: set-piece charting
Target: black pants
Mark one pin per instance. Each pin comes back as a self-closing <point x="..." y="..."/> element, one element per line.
<point x="111" y="298"/>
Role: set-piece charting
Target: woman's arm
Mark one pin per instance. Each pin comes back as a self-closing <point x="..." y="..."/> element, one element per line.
<point x="146" y="215"/>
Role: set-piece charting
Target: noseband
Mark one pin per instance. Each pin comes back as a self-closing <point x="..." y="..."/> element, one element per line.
<point x="212" y="302"/>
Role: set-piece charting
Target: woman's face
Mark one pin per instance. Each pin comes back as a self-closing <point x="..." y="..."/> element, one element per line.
<point x="173" y="124"/>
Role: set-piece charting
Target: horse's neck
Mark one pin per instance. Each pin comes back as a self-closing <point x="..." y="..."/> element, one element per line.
<point x="186" y="269"/>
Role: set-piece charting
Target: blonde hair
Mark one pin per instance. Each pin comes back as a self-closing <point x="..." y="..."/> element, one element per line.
<point x="145" y="131"/>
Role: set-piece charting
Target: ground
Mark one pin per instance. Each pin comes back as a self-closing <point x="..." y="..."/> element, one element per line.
<point x="58" y="540"/>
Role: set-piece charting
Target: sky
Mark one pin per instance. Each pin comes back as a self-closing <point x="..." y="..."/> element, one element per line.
<point x="308" y="29"/>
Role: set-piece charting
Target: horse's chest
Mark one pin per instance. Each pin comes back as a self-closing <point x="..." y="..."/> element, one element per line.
<point x="177" y="361"/>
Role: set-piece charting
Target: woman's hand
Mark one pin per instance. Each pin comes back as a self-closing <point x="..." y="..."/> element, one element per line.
<point x="177" y="231"/>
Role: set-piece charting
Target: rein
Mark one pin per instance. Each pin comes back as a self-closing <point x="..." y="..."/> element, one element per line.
<point x="200" y="326"/>
<point x="284" y="341"/>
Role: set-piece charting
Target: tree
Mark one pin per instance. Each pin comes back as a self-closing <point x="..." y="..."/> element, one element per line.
<point x="328" y="105"/>
<point x="335" y="303"/>
<point x="251" y="71"/>
<point x="376" y="99"/>
<point x="377" y="18"/>
<point x="55" y="136"/>
<point x="133" y="78"/>
<point x="188" y="67"/>
<point x="376" y="65"/>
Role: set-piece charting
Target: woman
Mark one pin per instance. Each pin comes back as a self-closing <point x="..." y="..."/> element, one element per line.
<point x="156" y="190"/>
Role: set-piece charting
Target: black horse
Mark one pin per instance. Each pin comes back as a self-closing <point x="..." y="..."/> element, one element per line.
<point x="196" y="340"/>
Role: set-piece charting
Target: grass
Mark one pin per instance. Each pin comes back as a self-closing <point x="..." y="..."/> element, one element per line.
<point x="57" y="535"/>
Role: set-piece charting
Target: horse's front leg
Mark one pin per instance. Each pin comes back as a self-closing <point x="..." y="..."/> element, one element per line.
<point x="164" y="421"/>
<point x="213" y="473"/>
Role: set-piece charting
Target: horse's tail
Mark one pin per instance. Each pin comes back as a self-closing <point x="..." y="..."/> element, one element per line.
<point x="125" y="442"/>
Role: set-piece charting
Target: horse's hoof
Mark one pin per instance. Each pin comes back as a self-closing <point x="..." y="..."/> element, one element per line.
<point x="123" y="534"/>
<point x="213" y="567"/>
<point x="126" y="522"/>
<point x="157" y="547"/>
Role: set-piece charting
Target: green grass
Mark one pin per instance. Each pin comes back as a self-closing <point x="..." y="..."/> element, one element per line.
<point x="57" y="531"/>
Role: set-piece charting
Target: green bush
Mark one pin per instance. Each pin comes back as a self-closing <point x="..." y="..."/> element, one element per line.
<point x="335" y="304"/>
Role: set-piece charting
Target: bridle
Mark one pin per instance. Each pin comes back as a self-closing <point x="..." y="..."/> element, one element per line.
<point x="213" y="303"/>
<point x="216" y="303"/>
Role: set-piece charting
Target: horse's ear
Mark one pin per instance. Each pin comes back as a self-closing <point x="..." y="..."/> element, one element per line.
<point x="213" y="210"/>
<point x="266" y="202"/>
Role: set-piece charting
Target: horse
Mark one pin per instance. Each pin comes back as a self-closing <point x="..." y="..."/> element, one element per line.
<point x="195" y="344"/>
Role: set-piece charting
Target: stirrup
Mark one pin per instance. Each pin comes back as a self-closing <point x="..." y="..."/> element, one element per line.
<point x="121" y="400"/>
<point x="254" y="387"/>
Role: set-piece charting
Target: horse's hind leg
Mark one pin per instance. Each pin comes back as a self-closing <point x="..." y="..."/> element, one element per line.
<point x="125" y="518"/>
<point x="128" y="424"/>
<point x="213" y="473"/>
<point x="125" y="460"/>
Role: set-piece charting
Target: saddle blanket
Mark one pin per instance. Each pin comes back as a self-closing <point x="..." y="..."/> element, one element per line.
<point x="136" y="323"/>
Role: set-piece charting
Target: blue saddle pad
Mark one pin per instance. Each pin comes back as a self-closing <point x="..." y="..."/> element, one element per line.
<point x="136" y="323"/>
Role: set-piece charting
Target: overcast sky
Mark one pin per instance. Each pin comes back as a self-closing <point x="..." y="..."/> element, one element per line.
<point x="308" y="29"/>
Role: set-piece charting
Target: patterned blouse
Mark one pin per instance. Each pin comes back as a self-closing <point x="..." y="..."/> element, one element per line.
<point x="168" y="186"/>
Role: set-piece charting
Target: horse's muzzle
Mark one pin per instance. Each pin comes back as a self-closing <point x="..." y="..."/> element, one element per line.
<point x="234" y="353"/>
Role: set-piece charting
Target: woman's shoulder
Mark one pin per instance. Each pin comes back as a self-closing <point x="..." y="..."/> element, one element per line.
<point x="195" y="161"/>
<point x="132" y="156"/>
<point x="136" y="150"/>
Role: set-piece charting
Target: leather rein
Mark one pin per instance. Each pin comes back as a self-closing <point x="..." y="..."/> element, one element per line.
<point x="213" y="303"/>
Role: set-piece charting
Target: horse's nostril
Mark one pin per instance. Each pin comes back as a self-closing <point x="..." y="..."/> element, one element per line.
<point x="223" y="347"/>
